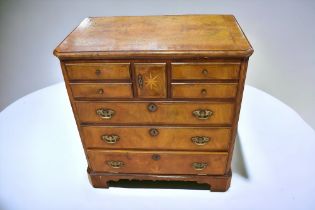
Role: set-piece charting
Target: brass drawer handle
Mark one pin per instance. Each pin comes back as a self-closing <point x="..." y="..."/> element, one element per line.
<point x="204" y="71"/>
<point x="152" y="107"/>
<point x="202" y="114"/>
<point x="110" y="139"/>
<point x="115" y="163"/>
<point x="100" y="91"/>
<point x="140" y="81"/>
<point x="203" y="92"/>
<point x="199" y="166"/>
<point x="105" y="113"/>
<point x="154" y="132"/>
<point x="200" y="140"/>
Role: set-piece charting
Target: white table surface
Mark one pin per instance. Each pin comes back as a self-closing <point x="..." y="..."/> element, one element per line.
<point x="42" y="163"/>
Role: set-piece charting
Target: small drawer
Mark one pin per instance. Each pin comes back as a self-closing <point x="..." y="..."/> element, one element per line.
<point x="204" y="90"/>
<point x="156" y="112"/>
<point x="157" y="138"/>
<point x="203" y="71"/>
<point x="98" y="71"/>
<point x="103" y="90"/>
<point x="157" y="162"/>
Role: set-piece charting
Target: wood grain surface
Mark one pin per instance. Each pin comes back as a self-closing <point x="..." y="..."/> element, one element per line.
<point x="168" y="162"/>
<point x="204" y="90"/>
<point x="101" y="90"/>
<point x="96" y="71"/>
<point x="166" y="113"/>
<point x="204" y="71"/>
<point x="151" y="35"/>
<point x="167" y="138"/>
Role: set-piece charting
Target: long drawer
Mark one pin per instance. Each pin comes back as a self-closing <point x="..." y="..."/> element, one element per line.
<point x="157" y="162"/>
<point x="157" y="138"/>
<point x="155" y="113"/>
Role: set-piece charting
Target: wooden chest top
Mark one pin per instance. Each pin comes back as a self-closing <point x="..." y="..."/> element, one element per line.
<point x="185" y="35"/>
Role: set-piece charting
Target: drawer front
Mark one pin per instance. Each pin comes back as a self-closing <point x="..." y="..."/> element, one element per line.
<point x="157" y="138"/>
<point x="191" y="71"/>
<point x="95" y="71"/>
<point x="209" y="90"/>
<point x="101" y="90"/>
<point x="157" y="112"/>
<point x="157" y="162"/>
<point x="151" y="81"/>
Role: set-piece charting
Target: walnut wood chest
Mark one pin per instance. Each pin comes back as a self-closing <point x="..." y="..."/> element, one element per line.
<point x="157" y="97"/>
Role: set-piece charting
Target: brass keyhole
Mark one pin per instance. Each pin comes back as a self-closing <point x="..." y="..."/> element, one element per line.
<point x="152" y="107"/>
<point x="153" y="132"/>
<point x="156" y="157"/>
<point x="97" y="72"/>
<point x="204" y="72"/>
<point x="140" y="81"/>
<point x="100" y="91"/>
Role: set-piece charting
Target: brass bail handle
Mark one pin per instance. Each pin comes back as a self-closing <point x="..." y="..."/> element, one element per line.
<point x="202" y="114"/>
<point x="200" y="140"/>
<point x="105" y="113"/>
<point x="110" y="139"/>
<point x="199" y="166"/>
<point x="115" y="163"/>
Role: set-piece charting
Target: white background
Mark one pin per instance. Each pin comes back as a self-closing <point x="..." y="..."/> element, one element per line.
<point x="281" y="32"/>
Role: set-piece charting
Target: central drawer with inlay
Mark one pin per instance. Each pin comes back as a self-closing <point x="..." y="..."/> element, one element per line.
<point x="157" y="97"/>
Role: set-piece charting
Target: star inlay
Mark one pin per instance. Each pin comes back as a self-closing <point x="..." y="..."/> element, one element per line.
<point x="152" y="81"/>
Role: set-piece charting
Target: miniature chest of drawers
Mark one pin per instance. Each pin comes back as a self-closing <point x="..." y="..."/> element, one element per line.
<point x="157" y="97"/>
